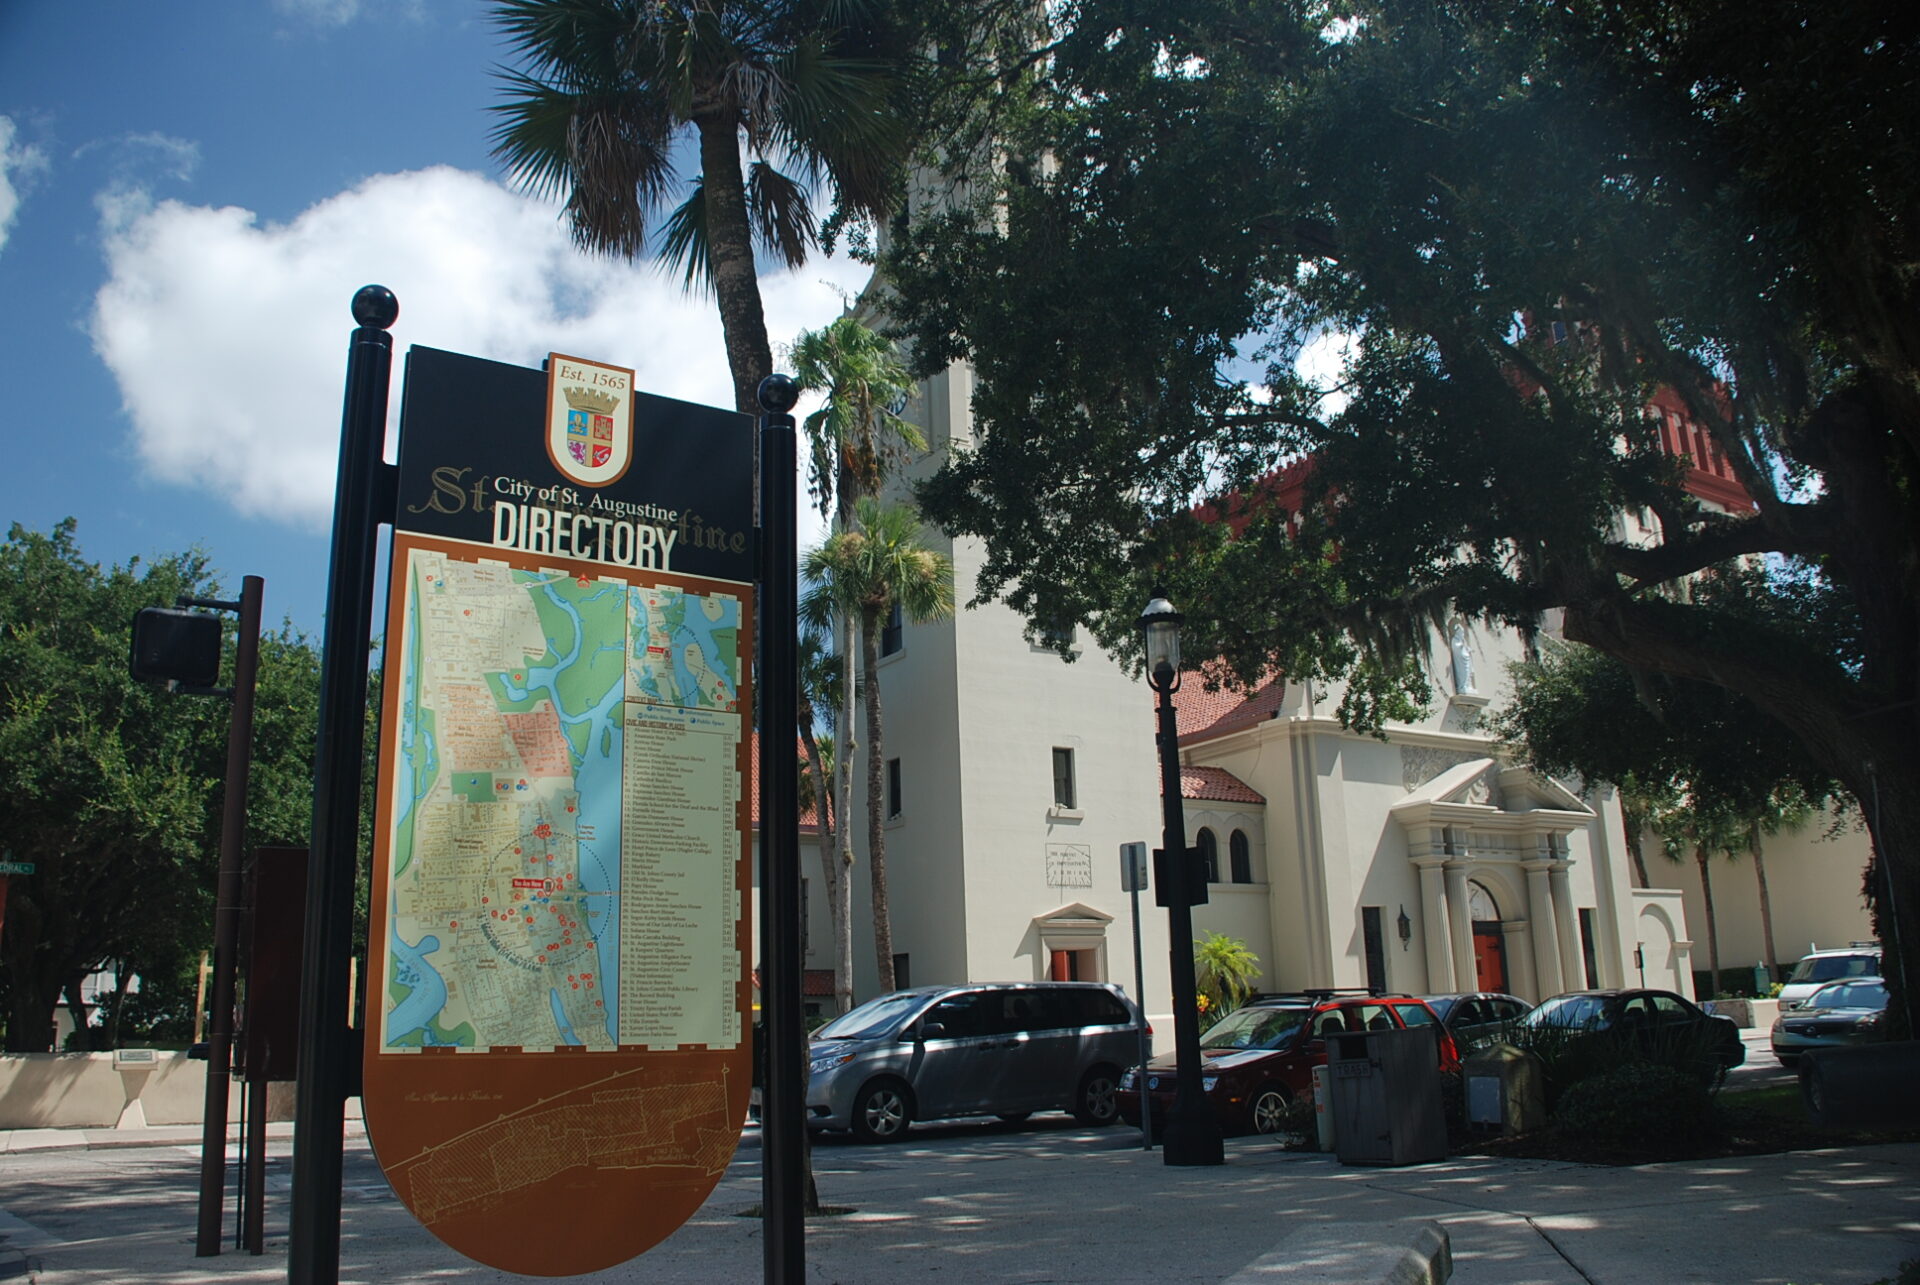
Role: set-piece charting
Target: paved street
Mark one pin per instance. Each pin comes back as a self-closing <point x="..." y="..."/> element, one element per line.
<point x="1053" y="1202"/>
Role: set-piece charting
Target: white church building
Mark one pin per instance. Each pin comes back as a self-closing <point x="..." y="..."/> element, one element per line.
<point x="1418" y="863"/>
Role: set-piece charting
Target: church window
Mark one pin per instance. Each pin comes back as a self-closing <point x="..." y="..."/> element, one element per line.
<point x="1210" y="853"/>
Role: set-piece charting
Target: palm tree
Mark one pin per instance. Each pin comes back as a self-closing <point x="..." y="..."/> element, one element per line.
<point x="858" y="434"/>
<point x="819" y="691"/>
<point x="869" y="570"/>
<point x="855" y="437"/>
<point x="610" y="87"/>
<point x="1224" y="972"/>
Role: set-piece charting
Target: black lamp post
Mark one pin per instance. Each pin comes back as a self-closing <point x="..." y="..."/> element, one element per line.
<point x="1193" y="1135"/>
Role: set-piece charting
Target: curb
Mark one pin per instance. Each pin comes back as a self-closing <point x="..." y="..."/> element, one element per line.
<point x="1404" y="1253"/>
<point x="27" y="1142"/>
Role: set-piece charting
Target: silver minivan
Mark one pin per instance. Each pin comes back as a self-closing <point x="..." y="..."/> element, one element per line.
<point x="989" y="1048"/>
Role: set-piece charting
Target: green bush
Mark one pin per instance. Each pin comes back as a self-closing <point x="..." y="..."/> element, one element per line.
<point x="1570" y="1056"/>
<point x="1638" y="1104"/>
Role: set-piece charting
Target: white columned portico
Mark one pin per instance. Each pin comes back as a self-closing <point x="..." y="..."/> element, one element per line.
<point x="1436" y="934"/>
<point x="1460" y="927"/>
<point x="1572" y="971"/>
<point x="1540" y="926"/>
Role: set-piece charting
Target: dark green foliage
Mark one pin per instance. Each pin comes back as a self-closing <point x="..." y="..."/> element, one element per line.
<point x="1715" y="198"/>
<point x="114" y="789"/>
<point x="1571" y="1056"/>
<point x="1636" y="1105"/>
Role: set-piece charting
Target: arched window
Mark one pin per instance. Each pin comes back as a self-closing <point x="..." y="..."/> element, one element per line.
<point x="1240" y="857"/>
<point x="1210" y="853"/>
<point x="1481" y="907"/>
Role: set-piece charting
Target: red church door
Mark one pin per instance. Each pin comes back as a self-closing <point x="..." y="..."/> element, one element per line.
<point x="1489" y="957"/>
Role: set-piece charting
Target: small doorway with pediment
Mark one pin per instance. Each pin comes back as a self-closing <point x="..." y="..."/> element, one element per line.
<point x="1073" y="942"/>
<point x="1489" y="941"/>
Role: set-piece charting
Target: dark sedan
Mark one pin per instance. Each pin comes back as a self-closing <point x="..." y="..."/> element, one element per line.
<point x="1477" y="1018"/>
<point x="1849" y="1012"/>
<point x="1659" y="1024"/>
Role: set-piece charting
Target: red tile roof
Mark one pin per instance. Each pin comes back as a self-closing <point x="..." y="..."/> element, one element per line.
<point x="1217" y="785"/>
<point x="809" y="822"/>
<point x="1202" y="715"/>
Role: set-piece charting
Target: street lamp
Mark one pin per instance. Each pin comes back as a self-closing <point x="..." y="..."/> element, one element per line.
<point x="1193" y="1134"/>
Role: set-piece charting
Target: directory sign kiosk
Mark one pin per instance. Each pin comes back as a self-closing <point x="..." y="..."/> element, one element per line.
<point x="556" y="1060"/>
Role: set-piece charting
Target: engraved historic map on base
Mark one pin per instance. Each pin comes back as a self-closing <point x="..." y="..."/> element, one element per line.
<point x="563" y="834"/>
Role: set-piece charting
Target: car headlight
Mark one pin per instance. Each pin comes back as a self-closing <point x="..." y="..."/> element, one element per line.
<point x="1126" y="1080"/>
<point x="1870" y="1021"/>
<point x="1208" y="1081"/>
<point x="819" y="1064"/>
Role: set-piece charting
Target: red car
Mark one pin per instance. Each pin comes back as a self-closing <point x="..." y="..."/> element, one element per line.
<point x="1260" y="1058"/>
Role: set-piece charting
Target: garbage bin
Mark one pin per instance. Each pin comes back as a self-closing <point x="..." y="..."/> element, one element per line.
<point x="1386" y="1097"/>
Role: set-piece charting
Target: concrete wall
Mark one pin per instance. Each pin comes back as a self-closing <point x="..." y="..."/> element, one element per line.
<point x="84" y="1091"/>
<point x="1815" y="886"/>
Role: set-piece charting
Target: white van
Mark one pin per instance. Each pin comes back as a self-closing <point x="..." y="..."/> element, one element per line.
<point x="1859" y="959"/>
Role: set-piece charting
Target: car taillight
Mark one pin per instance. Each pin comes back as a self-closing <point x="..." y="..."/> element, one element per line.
<point x="1149" y="1028"/>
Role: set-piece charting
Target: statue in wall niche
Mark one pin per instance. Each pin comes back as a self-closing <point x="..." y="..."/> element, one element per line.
<point x="1462" y="659"/>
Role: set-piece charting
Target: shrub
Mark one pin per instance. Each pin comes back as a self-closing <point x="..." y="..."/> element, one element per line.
<point x="1569" y="1056"/>
<point x="1637" y="1104"/>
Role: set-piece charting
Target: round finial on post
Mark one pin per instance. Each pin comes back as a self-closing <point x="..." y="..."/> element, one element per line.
<point x="777" y="394"/>
<point x="375" y="306"/>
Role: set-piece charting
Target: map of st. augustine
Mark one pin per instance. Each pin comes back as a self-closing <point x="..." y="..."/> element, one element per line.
<point x="562" y="859"/>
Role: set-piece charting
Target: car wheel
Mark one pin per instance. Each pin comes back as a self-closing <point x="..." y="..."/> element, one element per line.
<point x="882" y="1112"/>
<point x="1094" y="1103"/>
<point x="1268" y="1109"/>
<point x="1015" y="1117"/>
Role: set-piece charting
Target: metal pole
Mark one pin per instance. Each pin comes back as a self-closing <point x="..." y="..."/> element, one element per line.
<point x="1193" y="1135"/>
<point x="326" y="1042"/>
<point x="782" y="1097"/>
<point x="256" y="1143"/>
<point x="226" y="921"/>
<point x="1140" y="991"/>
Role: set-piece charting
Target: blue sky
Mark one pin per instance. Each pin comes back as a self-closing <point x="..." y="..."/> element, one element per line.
<point x="189" y="196"/>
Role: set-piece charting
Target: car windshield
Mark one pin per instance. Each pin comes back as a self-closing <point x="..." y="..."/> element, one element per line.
<point x="873" y="1019"/>
<point x="1850" y="995"/>
<point x="1831" y="968"/>
<point x="1255" y="1028"/>
<point x="1568" y="1010"/>
<point x="1441" y="1004"/>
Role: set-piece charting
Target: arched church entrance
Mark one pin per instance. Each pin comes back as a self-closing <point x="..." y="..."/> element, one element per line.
<point x="1489" y="942"/>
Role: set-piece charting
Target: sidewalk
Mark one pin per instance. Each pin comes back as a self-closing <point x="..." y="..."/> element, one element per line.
<point x="1052" y="1202"/>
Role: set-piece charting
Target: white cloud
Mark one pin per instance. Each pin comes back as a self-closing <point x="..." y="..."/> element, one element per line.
<point x="19" y="162"/>
<point x="228" y="337"/>
<point x="1322" y="362"/>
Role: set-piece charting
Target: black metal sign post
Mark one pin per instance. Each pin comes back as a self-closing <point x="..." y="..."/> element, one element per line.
<point x="226" y="913"/>
<point x="782" y="1127"/>
<point x="327" y="1052"/>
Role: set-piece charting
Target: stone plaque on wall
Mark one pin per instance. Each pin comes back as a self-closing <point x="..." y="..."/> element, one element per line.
<point x="1069" y="865"/>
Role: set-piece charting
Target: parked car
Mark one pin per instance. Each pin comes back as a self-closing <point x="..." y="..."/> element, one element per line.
<point x="1258" y="1059"/>
<point x="1656" y="1022"/>
<point x="1006" y="1049"/>
<point x="1848" y="1012"/>
<point x="1861" y="959"/>
<point x="1476" y="1018"/>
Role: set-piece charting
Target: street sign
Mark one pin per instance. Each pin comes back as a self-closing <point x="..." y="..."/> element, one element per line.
<point x="1133" y="867"/>
<point x="556" y="1059"/>
<point x="174" y="646"/>
<point x="16" y="867"/>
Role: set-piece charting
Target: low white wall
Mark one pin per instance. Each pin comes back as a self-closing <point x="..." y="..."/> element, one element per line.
<point x="84" y="1091"/>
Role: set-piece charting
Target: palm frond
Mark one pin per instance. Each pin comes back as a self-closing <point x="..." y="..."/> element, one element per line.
<point x="782" y="213"/>
<point x="683" y="241"/>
